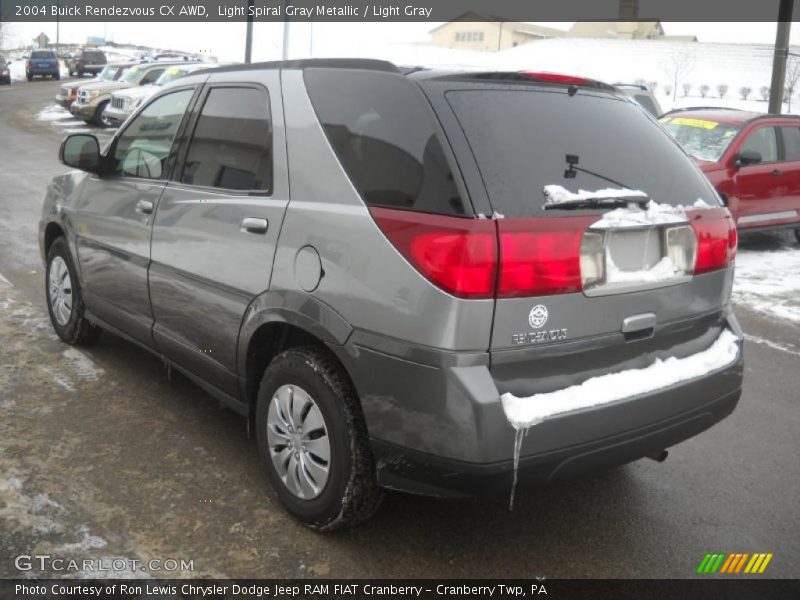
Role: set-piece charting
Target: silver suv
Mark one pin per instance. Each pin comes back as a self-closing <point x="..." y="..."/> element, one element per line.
<point x="396" y="275"/>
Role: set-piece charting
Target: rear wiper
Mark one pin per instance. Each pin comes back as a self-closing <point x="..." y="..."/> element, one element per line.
<point x="598" y="202"/>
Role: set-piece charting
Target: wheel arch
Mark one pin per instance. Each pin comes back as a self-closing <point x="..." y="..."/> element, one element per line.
<point x="52" y="231"/>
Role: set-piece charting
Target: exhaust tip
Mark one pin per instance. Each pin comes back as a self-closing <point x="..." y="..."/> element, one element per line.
<point x="659" y="456"/>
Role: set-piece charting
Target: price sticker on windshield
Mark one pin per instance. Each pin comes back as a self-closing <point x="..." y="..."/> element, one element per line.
<point x="702" y="124"/>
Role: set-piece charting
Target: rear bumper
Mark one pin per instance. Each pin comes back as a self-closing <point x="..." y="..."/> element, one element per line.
<point x="43" y="71"/>
<point x="441" y="429"/>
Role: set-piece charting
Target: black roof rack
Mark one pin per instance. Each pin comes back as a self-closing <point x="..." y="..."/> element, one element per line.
<point x="367" y="64"/>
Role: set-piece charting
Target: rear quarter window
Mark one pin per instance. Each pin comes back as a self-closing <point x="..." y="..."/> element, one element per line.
<point x="384" y="133"/>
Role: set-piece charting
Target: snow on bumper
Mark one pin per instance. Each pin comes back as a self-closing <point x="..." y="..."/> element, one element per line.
<point x="526" y="412"/>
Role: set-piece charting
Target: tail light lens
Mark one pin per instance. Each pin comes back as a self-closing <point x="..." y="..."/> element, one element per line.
<point x="458" y="255"/>
<point x="29" y="64"/>
<point x="510" y="258"/>
<point x="546" y="77"/>
<point x="540" y="257"/>
<point x="716" y="239"/>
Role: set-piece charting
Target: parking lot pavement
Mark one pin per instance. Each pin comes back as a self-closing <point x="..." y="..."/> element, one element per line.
<point x="104" y="453"/>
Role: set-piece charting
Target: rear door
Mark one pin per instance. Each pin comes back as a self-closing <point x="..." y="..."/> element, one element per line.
<point x="574" y="301"/>
<point x="218" y="223"/>
<point x="790" y="138"/>
<point x="761" y="188"/>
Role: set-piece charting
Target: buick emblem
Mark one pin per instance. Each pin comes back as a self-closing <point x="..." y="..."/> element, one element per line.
<point x="538" y="316"/>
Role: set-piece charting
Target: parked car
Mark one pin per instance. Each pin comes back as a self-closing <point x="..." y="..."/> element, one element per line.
<point x="68" y="92"/>
<point x="43" y="63"/>
<point x="642" y="95"/>
<point x="431" y="285"/>
<point x="87" y="60"/>
<point x="752" y="159"/>
<point x="5" y="70"/>
<point x="94" y="97"/>
<point x="124" y="102"/>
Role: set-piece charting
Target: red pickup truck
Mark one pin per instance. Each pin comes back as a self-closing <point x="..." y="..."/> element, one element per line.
<point x="752" y="159"/>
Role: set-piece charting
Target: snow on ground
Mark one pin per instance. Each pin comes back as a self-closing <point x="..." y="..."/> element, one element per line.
<point x="53" y="112"/>
<point x="768" y="281"/>
<point x="83" y="366"/>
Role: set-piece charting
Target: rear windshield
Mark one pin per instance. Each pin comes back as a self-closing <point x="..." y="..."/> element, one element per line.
<point x="521" y="139"/>
<point x="647" y="102"/>
<point x="94" y="55"/>
<point x="384" y="133"/>
<point x="42" y="54"/>
<point x="702" y="138"/>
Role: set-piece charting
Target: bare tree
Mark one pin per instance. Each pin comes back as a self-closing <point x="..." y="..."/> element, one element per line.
<point x="687" y="87"/>
<point x="792" y="78"/>
<point x="667" y="89"/>
<point x="678" y="66"/>
<point x="703" y="90"/>
<point x="744" y="92"/>
<point x="764" y="91"/>
<point x="5" y="32"/>
<point x="652" y="85"/>
<point x="722" y="89"/>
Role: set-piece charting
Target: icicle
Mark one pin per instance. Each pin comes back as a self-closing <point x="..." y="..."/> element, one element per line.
<point x="518" y="437"/>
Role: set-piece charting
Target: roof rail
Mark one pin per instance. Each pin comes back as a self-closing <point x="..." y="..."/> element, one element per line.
<point x="691" y="108"/>
<point x="366" y="64"/>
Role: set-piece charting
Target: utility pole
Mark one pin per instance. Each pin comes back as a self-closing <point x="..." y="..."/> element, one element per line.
<point x="285" y="53"/>
<point x="248" y="40"/>
<point x="781" y="55"/>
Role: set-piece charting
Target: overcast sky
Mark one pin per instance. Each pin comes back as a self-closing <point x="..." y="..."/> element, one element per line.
<point x="226" y="40"/>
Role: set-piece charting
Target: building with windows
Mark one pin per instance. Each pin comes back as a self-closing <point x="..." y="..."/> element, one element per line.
<point x="472" y="31"/>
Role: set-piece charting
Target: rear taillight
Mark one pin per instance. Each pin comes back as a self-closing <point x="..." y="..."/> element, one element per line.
<point x="459" y="255"/>
<point x="540" y="257"/>
<point x="29" y="64"/>
<point x="716" y="239"/>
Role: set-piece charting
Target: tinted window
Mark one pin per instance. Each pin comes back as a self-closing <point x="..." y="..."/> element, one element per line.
<point x="231" y="146"/>
<point x="143" y="148"/>
<point x="791" y="143"/>
<point x="763" y="141"/>
<point x="95" y="56"/>
<point x="383" y="131"/>
<point x="151" y="76"/>
<point x="521" y="139"/>
<point x="42" y="54"/>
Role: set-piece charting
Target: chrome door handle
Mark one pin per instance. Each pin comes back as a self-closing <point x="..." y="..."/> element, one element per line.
<point x="145" y="207"/>
<point x="255" y="225"/>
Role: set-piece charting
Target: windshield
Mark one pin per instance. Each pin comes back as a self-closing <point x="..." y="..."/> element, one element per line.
<point x="702" y="138"/>
<point x="526" y="139"/>
<point x="170" y="74"/>
<point x="132" y="75"/>
<point x="107" y="74"/>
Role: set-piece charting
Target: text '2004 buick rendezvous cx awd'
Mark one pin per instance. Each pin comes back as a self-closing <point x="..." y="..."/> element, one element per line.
<point x="397" y="274"/>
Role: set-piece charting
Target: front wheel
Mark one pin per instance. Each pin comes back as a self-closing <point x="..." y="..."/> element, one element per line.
<point x="313" y="440"/>
<point x="98" y="115"/>
<point x="64" y="298"/>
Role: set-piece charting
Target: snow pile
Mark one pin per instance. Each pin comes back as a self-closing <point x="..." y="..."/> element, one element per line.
<point x="53" y="113"/>
<point x="82" y="365"/>
<point x="556" y="194"/>
<point x="663" y="270"/>
<point x="526" y="412"/>
<point x="633" y="216"/>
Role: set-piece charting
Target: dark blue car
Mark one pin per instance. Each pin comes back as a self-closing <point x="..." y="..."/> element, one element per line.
<point x="44" y="63"/>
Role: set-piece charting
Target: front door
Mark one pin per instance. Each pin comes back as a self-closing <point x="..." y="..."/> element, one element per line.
<point x="760" y="187"/>
<point x="217" y="226"/>
<point x="114" y="216"/>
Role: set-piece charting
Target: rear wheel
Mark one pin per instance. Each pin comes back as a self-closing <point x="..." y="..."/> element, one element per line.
<point x="29" y="77"/>
<point x="313" y="440"/>
<point x="797" y="235"/>
<point x="64" y="299"/>
<point x="80" y="72"/>
<point x="57" y="76"/>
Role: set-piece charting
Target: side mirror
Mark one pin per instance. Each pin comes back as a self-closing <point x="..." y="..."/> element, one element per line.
<point x="81" y="151"/>
<point x="747" y="157"/>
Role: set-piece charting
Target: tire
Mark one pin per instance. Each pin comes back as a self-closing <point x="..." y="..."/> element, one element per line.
<point x="349" y="493"/>
<point x="29" y="77"/>
<point x="80" y="72"/>
<point x="797" y="235"/>
<point x="71" y="73"/>
<point x="98" y="115"/>
<point x="71" y="326"/>
<point x="57" y="76"/>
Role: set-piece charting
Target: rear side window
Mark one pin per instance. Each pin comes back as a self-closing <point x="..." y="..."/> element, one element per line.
<point x="231" y="147"/>
<point x="521" y="139"/>
<point x="384" y="134"/>
<point x="791" y="143"/>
